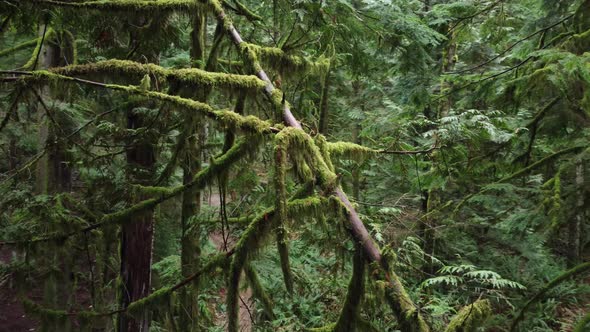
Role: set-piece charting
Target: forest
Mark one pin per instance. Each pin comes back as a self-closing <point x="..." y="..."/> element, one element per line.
<point x="295" y="165"/>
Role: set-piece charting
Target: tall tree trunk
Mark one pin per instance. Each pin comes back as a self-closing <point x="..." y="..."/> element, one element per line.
<point x="191" y="199"/>
<point x="575" y="226"/>
<point x="137" y="233"/>
<point x="53" y="171"/>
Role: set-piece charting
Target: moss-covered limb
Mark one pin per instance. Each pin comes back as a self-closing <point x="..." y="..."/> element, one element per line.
<point x="348" y="150"/>
<point x="322" y="143"/>
<point x="187" y="76"/>
<point x="583" y="324"/>
<point x="470" y="317"/>
<point x="287" y="63"/>
<point x="19" y="47"/>
<point x="226" y="118"/>
<point x="117" y="5"/>
<point x="259" y="291"/>
<point x="521" y="172"/>
<point x="250" y="241"/>
<point x="299" y="142"/>
<point x="578" y="43"/>
<point x="406" y="312"/>
<point x="581" y="268"/>
<point x="280" y="177"/>
<point x="48" y="35"/>
<point x="542" y="162"/>
<point x="347" y="321"/>
<point x="155" y="299"/>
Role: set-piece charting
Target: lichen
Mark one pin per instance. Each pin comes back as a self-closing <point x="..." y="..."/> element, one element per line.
<point x="470" y="317"/>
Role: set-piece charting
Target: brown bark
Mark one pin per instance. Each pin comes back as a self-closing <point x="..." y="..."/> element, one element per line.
<point x="137" y="234"/>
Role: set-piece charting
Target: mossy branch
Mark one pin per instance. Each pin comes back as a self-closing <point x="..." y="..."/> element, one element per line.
<point x="470" y="317"/>
<point x="149" y="302"/>
<point x="186" y="76"/>
<point x="19" y="47"/>
<point x="579" y="269"/>
<point x="259" y="291"/>
<point x="227" y="118"/>
<point x="280" y="175"/>
<point x="201" y="179"/>
<point x="118" y="5"/>
<point x="521" y="172"/>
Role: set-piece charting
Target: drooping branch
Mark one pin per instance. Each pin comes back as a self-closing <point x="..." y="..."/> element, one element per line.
<point x="200" y="180"/>
<point x="151" y="301"/>
<point x="226" y="118"/>
<point x="349" y="315"/>
<point x="281" y="214"/>
<point x="357" y="228"/>
<point x="579" y="269"/>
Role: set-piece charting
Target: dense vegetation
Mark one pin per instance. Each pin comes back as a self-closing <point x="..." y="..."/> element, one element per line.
<point x="368" y="165"/>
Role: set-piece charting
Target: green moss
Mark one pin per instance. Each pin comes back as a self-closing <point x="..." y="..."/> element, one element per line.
<point x="285" y="63"/>
<point x="306" y="153"/>
<point x="349" y="150"/>
<point x="49" y="34"/>
<point x="189" y="76"/>
<point x="408" y="316"/>
<point x="123" y="5"/>
<point x="259" y="291"/>
<point x="157" y="299"/>
<point x="20" y="46"/>
<point x="470" y="317"/>
<point x="578" y="43"/>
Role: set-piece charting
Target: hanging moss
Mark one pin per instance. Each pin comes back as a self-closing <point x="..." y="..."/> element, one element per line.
<point x="299" y="142"/>
<point x="349" y="150"/>
<point x="286" y="63"/>
<point x="190" y="76"/>
<point x="579" y="269"/>
<point x="470" y="317"/>
<point x="122" y="5"/>
<point x="259" y="292"/>
<point x="227" y="118"/>
<point x="347" y="321"/>
<point x="322" y="143"/>
<point x="280" y="176"/>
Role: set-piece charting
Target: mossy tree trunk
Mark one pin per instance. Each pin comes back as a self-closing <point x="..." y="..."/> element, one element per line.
<point x="191" y="199"/>
<point x="53" y="170"/>
<point x="137" y="233"/>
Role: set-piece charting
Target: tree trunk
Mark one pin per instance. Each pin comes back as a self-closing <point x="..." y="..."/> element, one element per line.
<point x="137" y="233"/>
